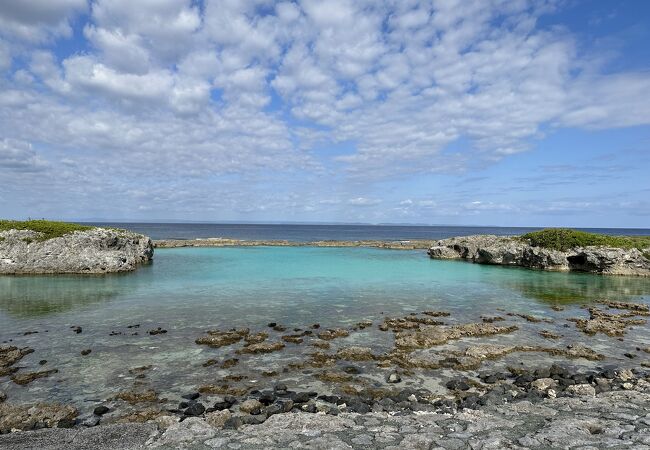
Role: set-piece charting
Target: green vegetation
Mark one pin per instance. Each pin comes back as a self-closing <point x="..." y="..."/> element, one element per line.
<point x="48" y="228"/>
<point x="564" y="239"/>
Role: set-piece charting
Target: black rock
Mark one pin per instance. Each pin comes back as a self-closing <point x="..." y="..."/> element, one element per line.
<point x="330" y="398"/>
<point x="629" y="355"/>
<point x="359" y="407"/>
<point x="254" y="420"/>
<point x="523" y="380"/>
<point x="231" y="400"/>
<point x="457" y="385"/>
<point x="580" y="378"/>
<point x="272" y="324"/>
<point x="266" y="397"/>
<point x="233" y="423"/>
<point x="301" y="397"/>
<point x="280" y="387"/>
<point x="610" y="374"/>
<point x="558" y="371"/>
<point x="86" y="352"/>
<point x="191" y="396"/>
<point x="101" y="410"/>
<point x="76" y="329"/>
<point x="470" y="402"/>
<point x="220" y="406"/>
<point x="42" y="362"/>
<point x="310" y="408"/>
<point x="195" y="409"/>
<point x="183" y="405"/>
<point x="542" y="373"/>
<point x="66" y="423"/>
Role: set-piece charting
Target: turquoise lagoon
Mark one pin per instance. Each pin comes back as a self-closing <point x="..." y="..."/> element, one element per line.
<point x="187" y="291"/>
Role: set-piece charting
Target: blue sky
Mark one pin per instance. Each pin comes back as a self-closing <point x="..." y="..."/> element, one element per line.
<point x="514" y="113"/>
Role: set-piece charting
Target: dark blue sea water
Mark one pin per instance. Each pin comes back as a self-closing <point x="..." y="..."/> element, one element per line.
<point x="304" y="233"/>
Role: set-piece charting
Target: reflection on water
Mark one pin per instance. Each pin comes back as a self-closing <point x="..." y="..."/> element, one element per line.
<point x="566" y="288"/>
<point x="28" y="296"/>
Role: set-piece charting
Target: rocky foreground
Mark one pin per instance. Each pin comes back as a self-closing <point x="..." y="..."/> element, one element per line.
<point x="92" y="251"/>
<point x="512" y="251"/>
<point x="615" y="419"/>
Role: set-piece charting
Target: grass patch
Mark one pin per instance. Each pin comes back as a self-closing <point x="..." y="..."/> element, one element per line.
<point x="564" y="239"/>
<point x="48" y="228"/>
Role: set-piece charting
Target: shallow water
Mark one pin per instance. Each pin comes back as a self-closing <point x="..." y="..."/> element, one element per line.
<point x="190" y="290"/>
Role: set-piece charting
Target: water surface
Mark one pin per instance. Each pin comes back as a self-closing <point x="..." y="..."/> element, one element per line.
<point x="190" y="290"/>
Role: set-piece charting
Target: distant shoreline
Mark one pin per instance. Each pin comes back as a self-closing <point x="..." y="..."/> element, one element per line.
<point x="410" y="244"/>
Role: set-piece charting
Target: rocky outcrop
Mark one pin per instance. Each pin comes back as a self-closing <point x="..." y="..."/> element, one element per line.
<point x="510" y="251"/>
<point x="94" y="251"/>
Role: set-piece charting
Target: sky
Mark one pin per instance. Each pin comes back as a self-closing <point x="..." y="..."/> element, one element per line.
<point x="486" y="112"/>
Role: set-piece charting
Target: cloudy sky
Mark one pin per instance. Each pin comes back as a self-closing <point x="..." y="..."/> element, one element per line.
<point x="498" y="112"/>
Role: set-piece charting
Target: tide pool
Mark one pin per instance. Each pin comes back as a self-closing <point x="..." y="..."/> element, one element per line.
<point x="187" y="291"/>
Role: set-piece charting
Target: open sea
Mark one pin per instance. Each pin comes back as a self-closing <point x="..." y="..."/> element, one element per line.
<point x="306" y="233"/>
<point x="187" y="291"/>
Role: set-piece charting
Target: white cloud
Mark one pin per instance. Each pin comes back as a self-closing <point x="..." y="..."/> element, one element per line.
<point x="36" y="20"/>
<point x="19" y="156"/>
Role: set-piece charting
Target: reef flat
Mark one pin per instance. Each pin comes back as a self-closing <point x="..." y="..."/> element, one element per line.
<point x="227" y="242"/>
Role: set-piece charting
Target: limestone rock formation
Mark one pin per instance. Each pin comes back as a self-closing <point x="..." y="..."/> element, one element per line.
<point x="93" y="251"/>
<point x="510" y="251"/>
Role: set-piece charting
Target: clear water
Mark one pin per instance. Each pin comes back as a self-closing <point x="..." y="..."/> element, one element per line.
<point x="189" y="290"/>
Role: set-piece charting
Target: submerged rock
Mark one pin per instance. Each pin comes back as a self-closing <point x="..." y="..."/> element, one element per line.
<point x="28" y="377"/>
<point x="333" y="333"/>
<point x="264" y="347"/>
<point x="217" y="338"/>
<point x="98" y="250"/>
<point x="356" y="354"/>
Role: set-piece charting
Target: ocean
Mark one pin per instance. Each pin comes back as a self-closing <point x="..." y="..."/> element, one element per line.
<point x="306" y="233"/>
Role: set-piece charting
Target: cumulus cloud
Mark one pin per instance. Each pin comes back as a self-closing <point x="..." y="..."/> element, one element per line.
<point x="256" y="89"/>
<point x="35" y="20"/>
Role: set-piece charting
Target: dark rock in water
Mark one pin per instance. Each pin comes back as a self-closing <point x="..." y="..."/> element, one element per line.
<point x="280" y="388"/>
<point x="352" y="370"/>
<point x="157" y="331"/>
<point x="195" y="409"/>
<point x="191" y="396"/>
<point x="458" y="385"/>
<point x="272" y="324"/>
<point x="558" y="371"/>
<point x="610" y="374"/>
<point x="183" y="405"/>
<point x="629" y="355"/>
<point x="42" y="362"/>
<point x="76" y="329"/>
<point x="101" y="410"/>
<point x="26" y="378"/>
<point x="393" y="377"/>
<point x="86" y="352"/>
<point x="301" y="397"/>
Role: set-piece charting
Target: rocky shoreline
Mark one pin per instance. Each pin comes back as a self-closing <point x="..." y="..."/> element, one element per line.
<point x="552" y="408"/>
<point x="513" y="251"/>
<point x="227" y="242"/>
<point x="93" y="251"/>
